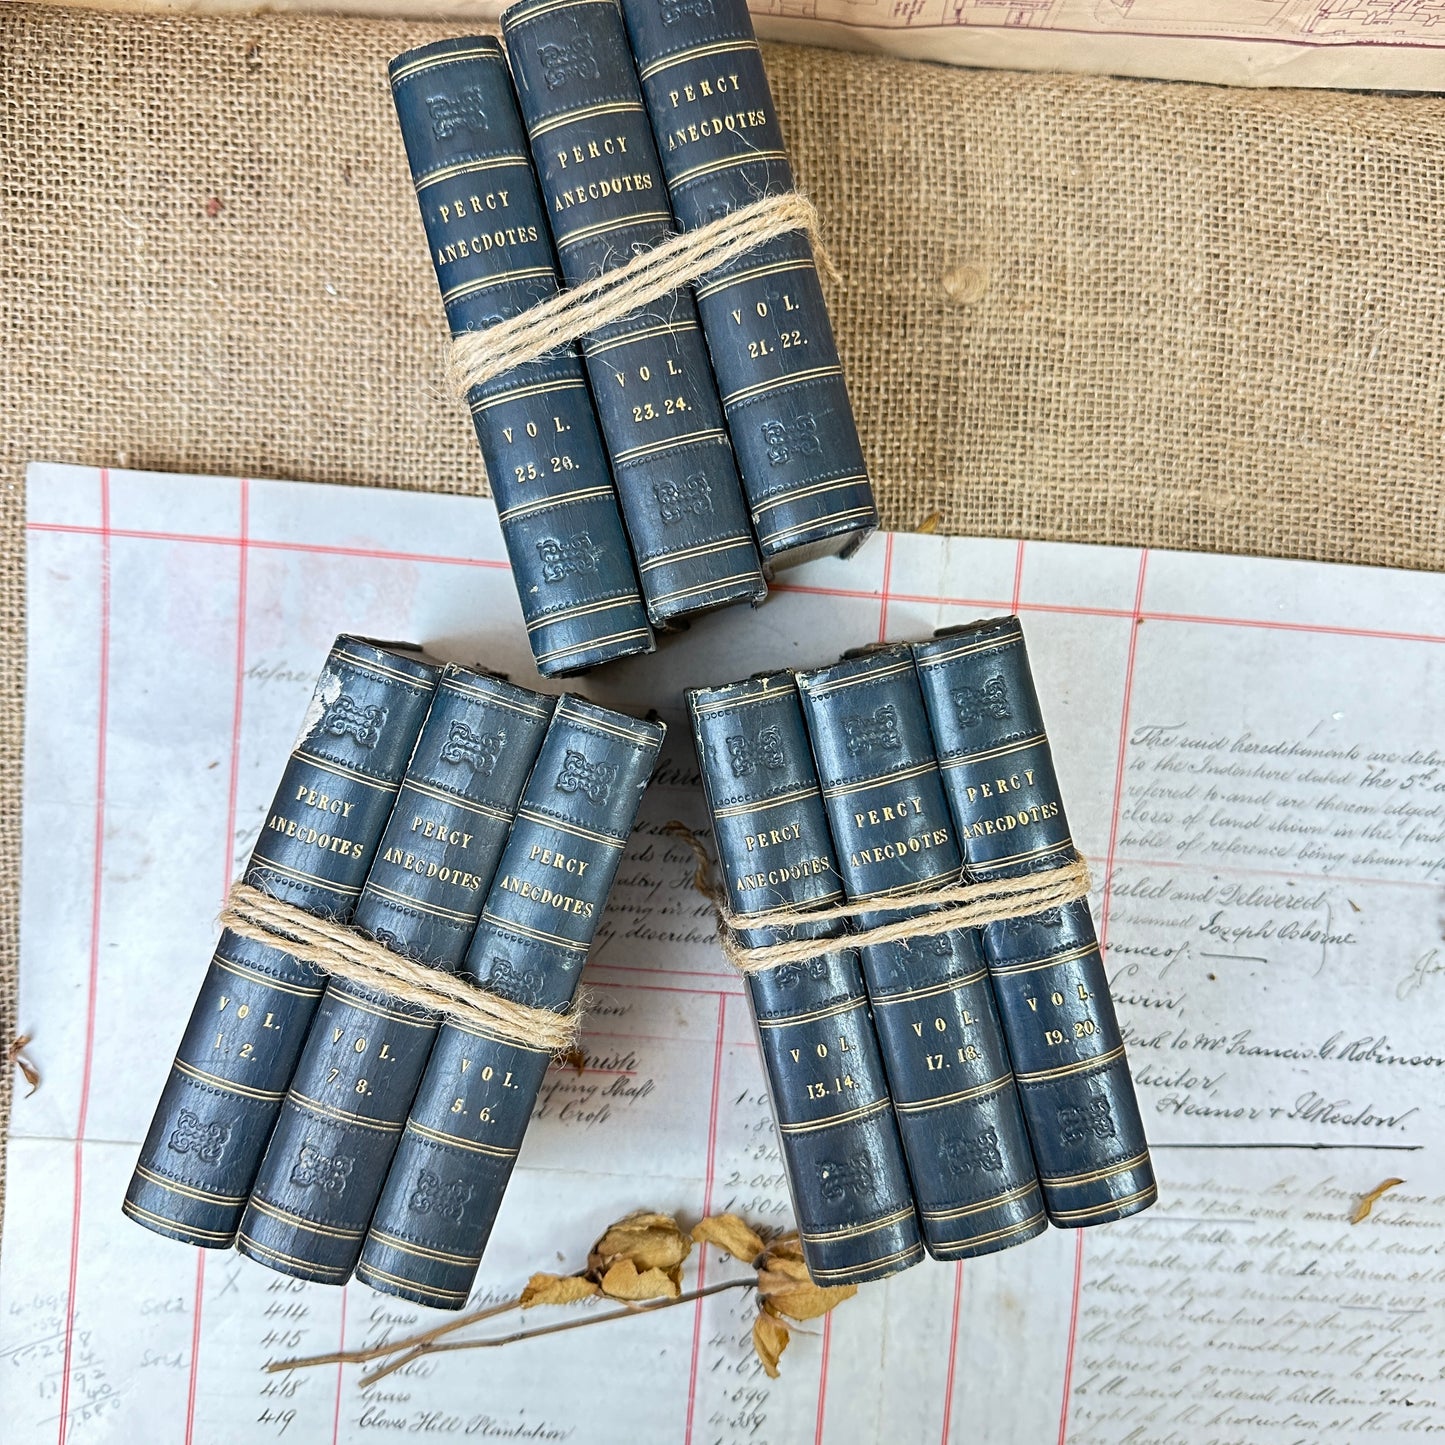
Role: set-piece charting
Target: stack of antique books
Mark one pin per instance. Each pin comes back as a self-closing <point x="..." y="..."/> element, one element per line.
<point x="696" y="442"/>
<point x="461" y="821"/>
<point x="953" y="1090"/>
<point x="937" y="1086"/>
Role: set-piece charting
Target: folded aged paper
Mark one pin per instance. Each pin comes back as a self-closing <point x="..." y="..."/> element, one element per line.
<point x="1352" y="44"/>
<point x="1251" y="754"/>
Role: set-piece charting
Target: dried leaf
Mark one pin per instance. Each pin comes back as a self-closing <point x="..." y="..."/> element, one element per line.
<point x="930" y="523"/>
<point x="624" y="1281"/>
<point x="17" y="1059"/>
<point x="1366" y="1204"/>
<point x="786" y="1287"/>
<point x="557" y="1289"/>
<point x="789" y="1244"/>
<point x="770" y="1339"/>
<point x="576" y="1059"/>
<point x="647" y="1240"/>
<point x="729" y="1232"/>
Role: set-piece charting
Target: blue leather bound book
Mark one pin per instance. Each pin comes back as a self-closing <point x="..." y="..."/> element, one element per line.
<point x="948" y="1067"/>
<point x="652" y="382"/>
<point x="349" y="1097"/>
<point x="836" y="1128"/>
<point x="465" y="1129"/>
<point x="225" y="1088"/>
<point x="1048" y="975"/>
<point x="764" y="315"/>
<point x="486" y="229"/>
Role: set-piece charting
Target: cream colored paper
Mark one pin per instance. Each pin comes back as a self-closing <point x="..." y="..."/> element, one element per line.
<point x="1250" y="753"/>
<point x="1350" y="44"/>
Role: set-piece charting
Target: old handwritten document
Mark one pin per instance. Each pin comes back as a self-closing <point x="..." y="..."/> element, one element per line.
<point x="1379" y="44"/>
<point x="1359" y="44"/>
<point x="1252" y="757"/>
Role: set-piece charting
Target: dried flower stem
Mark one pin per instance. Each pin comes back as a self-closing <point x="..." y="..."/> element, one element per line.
<point x="637" y="1263"/>
<point x="375" y="1352"/>
<point x="428" y="1344"/>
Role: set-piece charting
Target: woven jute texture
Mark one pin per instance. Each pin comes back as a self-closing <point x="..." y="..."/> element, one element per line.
<point x="1094" y="310"/>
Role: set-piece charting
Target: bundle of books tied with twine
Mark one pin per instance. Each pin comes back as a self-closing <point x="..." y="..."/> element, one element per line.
<point x="431" y="819"/>
<point x="703" y="436"/>
<point x="902" y="894"/>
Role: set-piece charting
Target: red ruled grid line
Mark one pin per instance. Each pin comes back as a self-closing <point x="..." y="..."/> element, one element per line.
<point x="863" y="594"/>
<point x="93" y="966"/>
<point x="887" y="578"/>
<point x="1010" y="604"/>
<point x="1123" y="745"/>
<point x="232" y="790"/>
<point x="1018" y="576"/>
<point x="717" y="1062"/>
<point x="265" y="544"/>
<point x="1119" y="764"/>
<point x="194" y="1368"/>
<point x="1274" y="624"/>
<point x="952" y="1353"/>
<point x="823" y="1380"/>
<point x="1064" y="609"/>
<point x="925" y="599"/>
<point x="1073" y="1333"/>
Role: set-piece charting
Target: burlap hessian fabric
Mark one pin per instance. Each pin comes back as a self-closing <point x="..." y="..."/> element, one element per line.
<point x="1095" y="310"/>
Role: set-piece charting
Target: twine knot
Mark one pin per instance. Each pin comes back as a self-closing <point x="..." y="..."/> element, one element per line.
<point x="481" y="356"/>
<point x="345" y="952"/>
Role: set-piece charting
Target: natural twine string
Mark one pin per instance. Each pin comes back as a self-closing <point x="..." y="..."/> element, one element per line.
<point x="479" y="356"/>
<point x="960" y="905"/>
<point x="343" y="952"/>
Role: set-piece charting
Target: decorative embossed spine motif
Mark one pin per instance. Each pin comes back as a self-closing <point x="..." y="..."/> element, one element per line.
<point x="250" y="1017"/>
<point x="764" y="315"/>
<point x="1048" y="974"/>
<point x="486" y="229"/>
<point x="652" y="381"/>
<point x="466" y="1125"/>
<point x="364" y="1056"/>
<point x="948" y="1067"/>
<point x="836" y="1129"/>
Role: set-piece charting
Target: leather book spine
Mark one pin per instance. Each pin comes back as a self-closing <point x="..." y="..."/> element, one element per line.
<point x="1048" y="973"/>
<point x="764" y="315"/>
<point x="652" y="381"/>
<point x="471" y="1111"/>
<point x="358" y="1073"/>
<point x="836" y="1128"/>
<point x="250" y="1018"/>
<point x="486" y="230"/>
<point x="948" y="1066"/>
